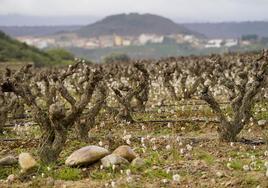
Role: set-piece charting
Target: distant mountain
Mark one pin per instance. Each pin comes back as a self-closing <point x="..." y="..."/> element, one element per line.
<point x="230" y="29"/>
<point x="17" y="31"/>
<point x="133" y="25"/>
<point x="28" y="20"/>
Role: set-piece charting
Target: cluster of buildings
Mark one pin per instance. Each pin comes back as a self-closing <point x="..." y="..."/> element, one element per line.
<point x="72" y="40"/>
<point x="218" y="43"/>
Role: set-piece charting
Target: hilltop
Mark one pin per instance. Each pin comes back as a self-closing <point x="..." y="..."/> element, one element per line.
<point x="133" y="24"/>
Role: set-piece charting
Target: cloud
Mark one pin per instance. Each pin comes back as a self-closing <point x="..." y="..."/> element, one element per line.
<point x="199" y="10"/>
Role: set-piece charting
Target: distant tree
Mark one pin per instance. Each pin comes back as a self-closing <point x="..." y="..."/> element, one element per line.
<point x="3" y="35"/>
<point x="60" y="54"/>
<point x="168" y="40"/>
<point x="264" y="40"/>
<point x="252" y="37"/>
<point x="116" y="57"/>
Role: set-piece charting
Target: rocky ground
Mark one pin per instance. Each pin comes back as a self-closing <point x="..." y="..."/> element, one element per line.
<point x="167" y="154"/>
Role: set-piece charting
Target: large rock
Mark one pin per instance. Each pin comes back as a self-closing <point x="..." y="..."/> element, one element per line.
<point x="86" y="155"/>
<point x="26" y="161"/>
<point x="125" y="152"/>
<point x="113" y="159"/>
<point x="8" y="160"/>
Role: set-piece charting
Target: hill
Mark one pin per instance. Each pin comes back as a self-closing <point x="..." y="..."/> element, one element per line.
<point x="230" y="29"/>
<point x="13" y="50"/>
<point x="133" y="25"/>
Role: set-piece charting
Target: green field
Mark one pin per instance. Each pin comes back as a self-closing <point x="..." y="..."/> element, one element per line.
<point x="155" y="51"/>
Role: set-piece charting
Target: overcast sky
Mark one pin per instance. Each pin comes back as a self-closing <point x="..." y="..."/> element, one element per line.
<point x="178" y="10"/>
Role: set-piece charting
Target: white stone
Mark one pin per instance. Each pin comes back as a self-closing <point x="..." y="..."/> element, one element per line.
<point x="168" y="147"/>
<point x="164" y="181"/>
<point x="246" y="168"/>
<point x="113" y="184"/>
<point x="262" y="122"/>
<point x="176" y="178"/>
<point x="266" y="164"/>
<point x="219" y="174"/>
<point x="86" y="155"/>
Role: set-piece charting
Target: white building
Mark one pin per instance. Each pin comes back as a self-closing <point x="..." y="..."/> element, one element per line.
<point x="189" y="38"/>
<point x="231" y="42"/>
<point x="92" y="44"/>
<point x="106" y="41"/>
<point x="152" y="38"/>
<point x="126" y="42"/>
<point x="37" y="42"/>
<point x="214" y="43"/>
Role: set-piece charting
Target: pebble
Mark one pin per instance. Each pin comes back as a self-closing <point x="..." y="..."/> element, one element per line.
<point x="111" y="160"/>
<point x="26" y="161"/>
<point x="11" y="178"/>
<point x="138" y="162"/>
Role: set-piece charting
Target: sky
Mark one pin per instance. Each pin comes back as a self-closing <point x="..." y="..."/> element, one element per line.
<point x="177" y="10"/>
